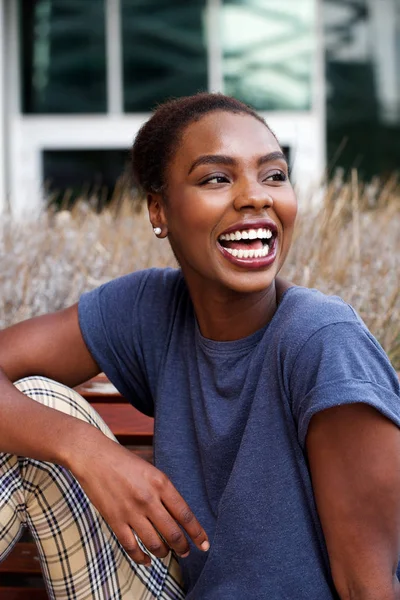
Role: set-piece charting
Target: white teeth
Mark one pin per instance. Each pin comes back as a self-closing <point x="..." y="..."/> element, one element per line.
<point x="249" y="253"/>
<point x="247" y="234"/>
<point x="264" y="251"/>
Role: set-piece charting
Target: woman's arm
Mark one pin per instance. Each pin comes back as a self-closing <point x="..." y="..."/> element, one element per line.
<point x="128" y="492"/>
<point x="354" y="457"/>
<point x="52" y="346"/>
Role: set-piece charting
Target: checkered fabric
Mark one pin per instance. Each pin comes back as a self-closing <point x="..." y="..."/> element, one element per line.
<point x="80" y="556"/>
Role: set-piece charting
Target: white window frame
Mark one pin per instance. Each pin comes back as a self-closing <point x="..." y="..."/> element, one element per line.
<point x="115" y="84"/>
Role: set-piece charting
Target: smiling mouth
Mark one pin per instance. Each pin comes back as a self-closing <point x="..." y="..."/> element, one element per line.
<point x="248" y="243"/>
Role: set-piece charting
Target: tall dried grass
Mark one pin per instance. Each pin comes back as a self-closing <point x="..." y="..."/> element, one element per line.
<point x="350" y="246"/>
<point x="347" y="245"/>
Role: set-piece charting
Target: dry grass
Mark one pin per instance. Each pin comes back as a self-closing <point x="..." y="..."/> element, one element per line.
<point x="349" y="245"/>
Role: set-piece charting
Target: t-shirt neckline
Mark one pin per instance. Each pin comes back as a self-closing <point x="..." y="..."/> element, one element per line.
<point x="245" y="343"/>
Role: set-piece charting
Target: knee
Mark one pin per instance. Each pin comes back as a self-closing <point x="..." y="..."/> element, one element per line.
<point x="60" y="397"/>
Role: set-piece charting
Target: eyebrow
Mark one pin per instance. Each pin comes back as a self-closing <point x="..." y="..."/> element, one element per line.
<point x="221" y="159"/>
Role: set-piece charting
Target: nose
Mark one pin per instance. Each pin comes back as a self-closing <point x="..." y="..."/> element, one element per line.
<point x="253" y="195"/>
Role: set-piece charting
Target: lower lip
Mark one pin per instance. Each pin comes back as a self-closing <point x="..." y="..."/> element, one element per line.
<point x="251" y="263"/>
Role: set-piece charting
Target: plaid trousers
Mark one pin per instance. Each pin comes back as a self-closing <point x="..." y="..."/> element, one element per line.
<point x="80" y="556"/>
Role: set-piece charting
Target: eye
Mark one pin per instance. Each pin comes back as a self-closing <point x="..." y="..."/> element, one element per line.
<point x="276" y="176"/>
<point x="215" y="179"/>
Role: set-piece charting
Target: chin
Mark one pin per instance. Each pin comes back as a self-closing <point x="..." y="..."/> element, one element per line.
<point x="250" y="283"/>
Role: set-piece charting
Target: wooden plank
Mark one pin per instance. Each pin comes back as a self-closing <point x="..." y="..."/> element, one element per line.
<point x="19" y="593"/>
<point x="100" y="389"/>
<point x="23" y="559"/>
<point x="129" y="426"/>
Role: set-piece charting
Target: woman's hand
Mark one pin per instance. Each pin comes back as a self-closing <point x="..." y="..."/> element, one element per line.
<point x="131" y="495"/>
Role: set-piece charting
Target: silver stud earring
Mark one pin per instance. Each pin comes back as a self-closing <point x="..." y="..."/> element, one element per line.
<point x="157" y="230"/>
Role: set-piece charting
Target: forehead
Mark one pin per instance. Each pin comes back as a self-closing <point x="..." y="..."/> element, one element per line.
<point x="238" y="135"/>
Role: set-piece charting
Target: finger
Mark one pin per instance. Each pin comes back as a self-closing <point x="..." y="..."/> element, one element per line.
<point x="182" y="513"/>
<point x="151" y="539"/>
<point x="128" y="541"/>
<point x="171" y="532"/>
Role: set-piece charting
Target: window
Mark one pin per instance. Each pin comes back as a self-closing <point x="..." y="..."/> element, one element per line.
<point x="260" y="51"/>
<point x="63" y="56"/>
<point x="164" y="51"/>
<point x="363" y="66"/>
<point x="268" y="51"/>
<point x="68" y="174"/>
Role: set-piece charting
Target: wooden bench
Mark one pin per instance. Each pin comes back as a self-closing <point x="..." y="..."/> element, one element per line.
<point x="20" y="574"/>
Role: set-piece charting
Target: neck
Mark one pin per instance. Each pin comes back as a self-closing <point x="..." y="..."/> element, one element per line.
<point x="228" y="315"/>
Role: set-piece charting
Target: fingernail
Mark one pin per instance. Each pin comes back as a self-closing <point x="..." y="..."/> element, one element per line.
<point x="205" y="546"/>
<point x="185" y="555"/>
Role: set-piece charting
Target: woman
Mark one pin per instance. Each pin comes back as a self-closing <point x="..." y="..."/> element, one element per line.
<point x="276" y="411"/>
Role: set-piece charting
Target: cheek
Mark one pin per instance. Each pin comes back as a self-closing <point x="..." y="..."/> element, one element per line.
<point x="287" y="213"/>
<point x="188" y="221"/>
<point x="194" y="213"/>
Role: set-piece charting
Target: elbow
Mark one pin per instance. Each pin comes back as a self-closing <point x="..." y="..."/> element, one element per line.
<point x="367" y="587"/>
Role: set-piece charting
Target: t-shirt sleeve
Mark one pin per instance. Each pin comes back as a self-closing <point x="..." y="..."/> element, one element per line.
<point x="120" y="321"/>
<point x="342" y="363"/>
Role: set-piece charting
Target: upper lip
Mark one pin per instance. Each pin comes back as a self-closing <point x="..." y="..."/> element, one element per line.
<point x="246" y="225"/>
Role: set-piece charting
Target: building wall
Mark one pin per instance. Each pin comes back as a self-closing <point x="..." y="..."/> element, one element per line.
<point x="324" y="73"/>
<point x="362" y="40"/>
<point x="75" y="97"/>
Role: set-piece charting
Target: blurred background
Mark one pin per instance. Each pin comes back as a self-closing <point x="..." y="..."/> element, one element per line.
<point x="79" y="77"/>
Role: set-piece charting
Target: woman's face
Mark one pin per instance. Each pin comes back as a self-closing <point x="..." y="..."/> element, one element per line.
<point x="230" y="208"/>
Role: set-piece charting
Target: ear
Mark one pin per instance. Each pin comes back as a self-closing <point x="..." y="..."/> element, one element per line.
<point x="156" y="208"/>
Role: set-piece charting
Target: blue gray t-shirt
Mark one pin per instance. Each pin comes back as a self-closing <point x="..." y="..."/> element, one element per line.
<point x="231" y="420"/>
